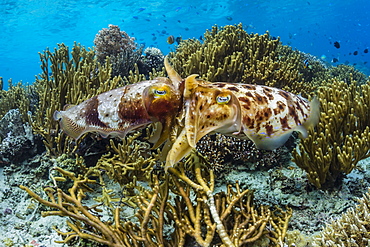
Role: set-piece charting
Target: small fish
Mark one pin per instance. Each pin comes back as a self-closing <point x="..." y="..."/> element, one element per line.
<point x="178" y="39"/>
<point x="355" y="53"/>
<point x="336" y="44"/>
<point x="141" y="9"/>
<point x="170" y="39"/>
<point x="366" y="50"/>
<point x="306" y="64"/>
<point x="334" y="60"/>
<point x="135" y="17"/>
<point x="229" y="18"/>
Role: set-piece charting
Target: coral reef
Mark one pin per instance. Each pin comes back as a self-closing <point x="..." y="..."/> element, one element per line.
<point x="117" y="194"/>
<point x="119" y="47"/>
<point x="230" y="54"/>
<point x="16" y="97"/>
<point x="18" y="141"/>
<point x="347" y="73"/>
<point x="341" y="139"/>
<point x="152" y="60"/>
<point x="67" y="78"/>
<point x="224" y="152"/>
<point x="351" y="229"/>
<point x="231" y="216"/>
<point x="111" y="41"/>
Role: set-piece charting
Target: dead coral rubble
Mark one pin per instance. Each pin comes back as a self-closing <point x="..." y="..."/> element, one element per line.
<point x="352" y="229"/>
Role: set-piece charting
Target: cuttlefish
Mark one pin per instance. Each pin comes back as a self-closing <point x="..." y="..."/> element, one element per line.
<point x="125" y="109"/>
<point x="265" y="115"/>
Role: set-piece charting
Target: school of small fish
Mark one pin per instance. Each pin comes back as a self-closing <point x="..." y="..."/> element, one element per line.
<point x="195" y="108"/>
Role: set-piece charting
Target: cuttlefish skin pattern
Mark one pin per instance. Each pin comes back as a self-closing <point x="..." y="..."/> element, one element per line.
<point x="270" y="115"/>
<point x="122" y="110"/>
<point x="265" y="115"/>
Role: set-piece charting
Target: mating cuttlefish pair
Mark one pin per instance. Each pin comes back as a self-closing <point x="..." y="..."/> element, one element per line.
<point x="265" y="115"/>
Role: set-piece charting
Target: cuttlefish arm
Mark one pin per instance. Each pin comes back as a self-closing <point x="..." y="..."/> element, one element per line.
<point x="124" y="109"/>
<point x="206" y="110"/>
<point x="172" y="74"/>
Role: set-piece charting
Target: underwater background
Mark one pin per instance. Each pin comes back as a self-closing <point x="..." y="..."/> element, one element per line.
<point x="292" y="76"/>
<point x="311" y="26"/>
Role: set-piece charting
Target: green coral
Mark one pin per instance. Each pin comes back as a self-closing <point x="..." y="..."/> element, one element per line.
<point x="16" y="97"/>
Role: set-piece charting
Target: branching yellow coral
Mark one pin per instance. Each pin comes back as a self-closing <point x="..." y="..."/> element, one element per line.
<point x="15" y="97"/>
<point x="167" y="201"/>
<point x="342" y="137"/>
<point x="352" y="229"/>
<point x="230" y="54"/>
<point x="67" y="78"/>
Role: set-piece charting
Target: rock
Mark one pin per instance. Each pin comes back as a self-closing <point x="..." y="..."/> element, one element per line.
<point x="17" y="139"/>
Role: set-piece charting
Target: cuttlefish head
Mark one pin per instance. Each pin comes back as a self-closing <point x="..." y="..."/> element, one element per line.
<point x="208" y="109"/>
<point x="162" y="102"/>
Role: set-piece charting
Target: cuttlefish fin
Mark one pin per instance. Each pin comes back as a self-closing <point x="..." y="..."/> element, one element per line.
<point x="271" y="143"/>
<point x="172" y="74"/>
<point x="314" y="117"/>
<point x="210" y="109"/>
<point x="179" y="150"/>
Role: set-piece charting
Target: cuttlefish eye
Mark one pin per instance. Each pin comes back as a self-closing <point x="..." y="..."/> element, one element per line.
<point x="223" y="98"/>
<point x="159" y="92"/>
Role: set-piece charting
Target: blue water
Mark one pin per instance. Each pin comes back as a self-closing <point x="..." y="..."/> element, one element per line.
<point x="312" y="26"/>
